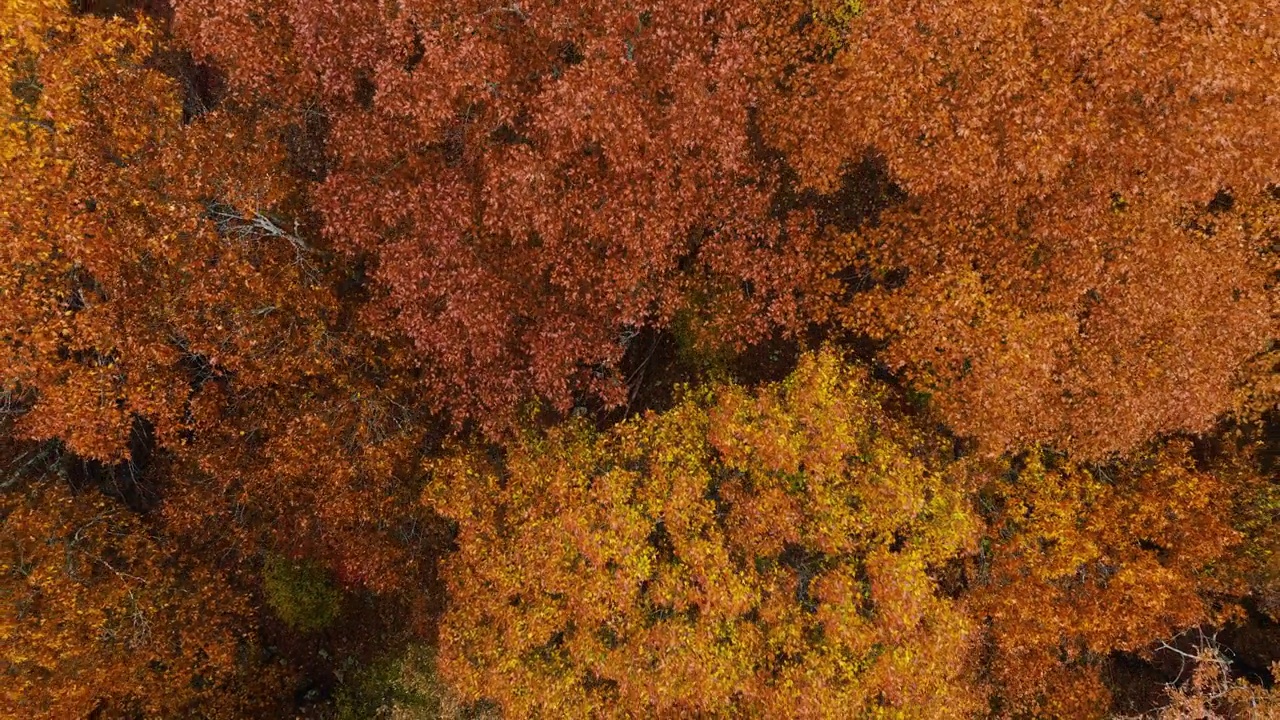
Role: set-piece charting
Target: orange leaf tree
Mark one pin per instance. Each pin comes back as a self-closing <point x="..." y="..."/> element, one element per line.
<point x="1078" y="261"/>
<point x="141" y="259"/>
<point x="1081" y="561"/>
<point x="150" y="278"/>
<point x="100" y="615"/>
<point x="323" y="464"/>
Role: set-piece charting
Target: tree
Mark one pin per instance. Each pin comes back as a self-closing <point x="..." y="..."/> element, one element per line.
<point x="535" y="180"/>
<point x="1081" y="561"/>
<point x="751" y="553"/>
<point x="101" y="616"/>
<point x="405" y="686"/>
<point x="1078" y="262"/>
<point x="149" y="275"/>
<point x="1209" y="692"/>
<point x="141" y="258"/>
<point x="323" y="464"/>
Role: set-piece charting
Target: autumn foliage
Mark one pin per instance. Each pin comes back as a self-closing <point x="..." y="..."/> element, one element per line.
<point x="689" y="358"/>
<point x="759" y="553"/>
<point x="1064" y="282"/>
<point x="137" y="260"/>
<point x="1080" y="561"/>
<point x="103" y="616"/>
<point x="535" y="183"/>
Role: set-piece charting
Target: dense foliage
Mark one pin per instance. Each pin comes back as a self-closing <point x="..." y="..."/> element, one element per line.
<point x="1057" y="157"/>
<point x="689" y="358"/>
<point x="758" y="554"/>
<point x="101" y="617"/>
<point x="535" y="182"/>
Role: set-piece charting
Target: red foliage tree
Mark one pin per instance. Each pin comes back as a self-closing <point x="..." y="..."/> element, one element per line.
<point x="534" y="180"/>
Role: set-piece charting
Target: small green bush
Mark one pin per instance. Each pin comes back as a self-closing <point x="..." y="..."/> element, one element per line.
<point x="835" y="16"/>
<point x="698" y="349"/>
<point x="300" y="593"/>
<point x="406" y="687"/>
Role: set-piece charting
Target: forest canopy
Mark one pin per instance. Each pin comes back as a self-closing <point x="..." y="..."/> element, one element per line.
<point x="683" y="358"/>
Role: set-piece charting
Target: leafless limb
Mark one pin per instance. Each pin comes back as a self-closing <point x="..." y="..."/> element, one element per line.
<point x="513" y="8"/>
<point x="235" y="224"/>
<point x="42" y="124"/>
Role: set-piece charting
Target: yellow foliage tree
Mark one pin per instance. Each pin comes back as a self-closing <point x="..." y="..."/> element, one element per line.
<point x="760" y="553"/>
